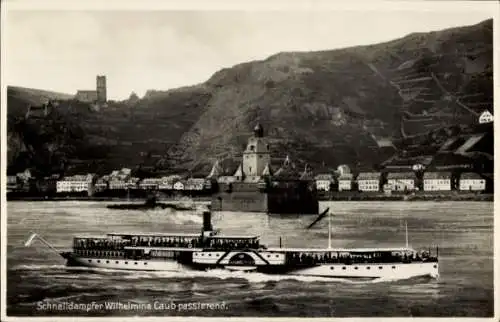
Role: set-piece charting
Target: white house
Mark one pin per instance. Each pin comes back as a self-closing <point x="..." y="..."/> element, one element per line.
<point x="208" y="184"/>
<point x="194" y="184"/>
<point x="369" y="181"/>
<point x="11" y="179"/>
<point x="401" y="181"/>
<point x="179" y="185"/>
<point x="133" y="182"/>
<point x="101" y="184"/>
<point x="165" y="185"/>
<point x="470" y="181"/>
<point x="226" y="179"/>
<point x="485" y="117"/>
<point x="11" y="183"/>
<point x="437" y="181"/>
<point x="345" y="182"/>
<point x="418" y="167"/>
<point x="117" y="184"/>
<point x="76" y="183"/>
<point x="343" y="169"/>
<point x="150" y="183"/>
<point x="324" y="181"/>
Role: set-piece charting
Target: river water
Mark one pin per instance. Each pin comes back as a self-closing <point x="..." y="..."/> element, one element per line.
<point x="38" y="279"/>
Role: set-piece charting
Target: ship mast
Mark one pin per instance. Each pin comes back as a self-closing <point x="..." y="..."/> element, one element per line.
<point x="329" y="231"/>
<point x="406" y="233"/>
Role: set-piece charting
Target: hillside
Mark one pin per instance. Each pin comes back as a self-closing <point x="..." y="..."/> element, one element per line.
<point x="36" y="96"/>
<point x="120" y="135"/>
<point x="331" y="106"/>
<point x="337" y="106"/>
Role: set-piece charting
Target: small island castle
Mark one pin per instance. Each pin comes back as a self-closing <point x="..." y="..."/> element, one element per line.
<point x="254" y="187"/>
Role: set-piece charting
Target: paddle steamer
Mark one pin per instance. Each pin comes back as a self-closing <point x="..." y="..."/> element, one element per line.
<point x="209" y="250"/>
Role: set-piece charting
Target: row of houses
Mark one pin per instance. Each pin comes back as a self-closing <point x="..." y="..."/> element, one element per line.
<point x="172" y="183"/>
<point x="400" y="181"/>
<point x="122" y="180"/>
<point x="118" y="180"/>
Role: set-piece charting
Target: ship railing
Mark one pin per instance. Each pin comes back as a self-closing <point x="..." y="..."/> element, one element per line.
<point x="168" y="242"/>
<point x="226" y="245"/>
<point x="109" y="244"/>
<point x="346" y="260"/>
<point x="100" y="253"/>
<point x="212" y="248"/>
<point x="103" y="247"/>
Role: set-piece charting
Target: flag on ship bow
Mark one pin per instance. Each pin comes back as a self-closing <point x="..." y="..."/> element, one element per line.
<point x="30" y="240"/>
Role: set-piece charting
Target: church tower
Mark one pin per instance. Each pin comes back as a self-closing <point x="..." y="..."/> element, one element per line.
<point x="101" y="89"/>
<point x="257" y="154"/>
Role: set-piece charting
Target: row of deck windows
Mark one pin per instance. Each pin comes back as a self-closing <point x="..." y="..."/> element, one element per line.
<point x="331" y="267"/>
<point x="217" y="255"/>
<point x="100" y="253"/>
<point x="116" y="262"/>
<point x="368" y="267"/>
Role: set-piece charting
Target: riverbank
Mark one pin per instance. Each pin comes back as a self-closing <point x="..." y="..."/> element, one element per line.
<point x="116" y="199"/>
<point x="417" y="196"/>
<point x="337" y="196"/>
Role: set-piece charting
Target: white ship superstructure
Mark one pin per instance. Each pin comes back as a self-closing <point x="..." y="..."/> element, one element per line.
<point x="209" y="250"/>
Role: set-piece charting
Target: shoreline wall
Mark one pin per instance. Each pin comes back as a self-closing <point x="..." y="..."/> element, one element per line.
<point x="352" y="196"/>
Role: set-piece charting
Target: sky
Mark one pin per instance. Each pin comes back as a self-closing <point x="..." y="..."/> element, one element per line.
<point x="63" y="50"/>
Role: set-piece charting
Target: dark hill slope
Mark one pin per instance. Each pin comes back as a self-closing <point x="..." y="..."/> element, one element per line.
<point x="331" y="105"/>
<point x="36" y="96"/>
<point x="120" y="135"/>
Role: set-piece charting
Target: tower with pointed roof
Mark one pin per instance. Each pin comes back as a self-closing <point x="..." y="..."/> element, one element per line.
<point x="256" y="187"/>
<point x="267" y="171"/>
<point x="257" y="154"/>
<point x="216" y="171"/>
<point x="239" y="174"/>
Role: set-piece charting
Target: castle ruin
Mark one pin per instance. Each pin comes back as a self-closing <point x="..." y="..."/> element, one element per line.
<point x="98" y="96"/>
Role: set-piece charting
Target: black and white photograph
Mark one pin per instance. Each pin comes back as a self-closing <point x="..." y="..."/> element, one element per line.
<point x="252" y="159"/>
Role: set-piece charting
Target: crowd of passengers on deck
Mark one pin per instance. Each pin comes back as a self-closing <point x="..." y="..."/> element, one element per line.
<point x="179" y="242"/>
<point x="102" y="253"/>
<point x="324" y="258"/>
<point x="229" y="244"/>
<point x="117" y="244"/>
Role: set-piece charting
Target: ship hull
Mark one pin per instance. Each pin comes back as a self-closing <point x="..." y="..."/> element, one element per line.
<point x="125" y="264"/>
<point x="373" y="271"/>
<point x="353" y="271"/>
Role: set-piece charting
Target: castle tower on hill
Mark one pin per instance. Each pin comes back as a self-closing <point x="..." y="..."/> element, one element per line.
<point x="256" y="156"/>
<point x="99" y="95"/>
<point x="101" y="89"/>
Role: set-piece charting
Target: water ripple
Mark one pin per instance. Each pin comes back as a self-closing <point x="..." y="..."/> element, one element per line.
<point x="464" y="232"/>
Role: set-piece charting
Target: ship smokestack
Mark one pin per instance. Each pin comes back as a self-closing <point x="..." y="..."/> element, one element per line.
<point x="207" y="221"/>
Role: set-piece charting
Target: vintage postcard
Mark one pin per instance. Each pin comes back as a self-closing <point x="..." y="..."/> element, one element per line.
<point x="253" y="159"/>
